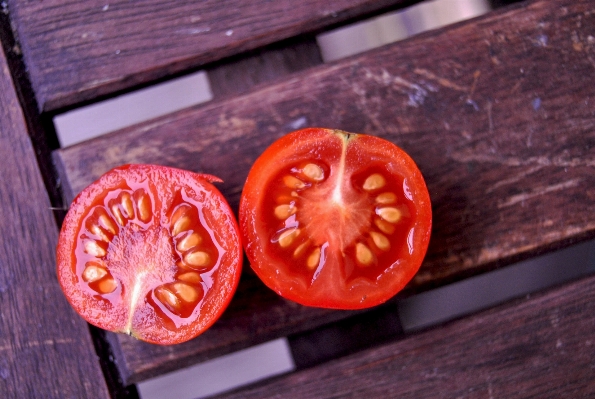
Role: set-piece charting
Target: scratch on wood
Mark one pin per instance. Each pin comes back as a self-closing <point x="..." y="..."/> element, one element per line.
<point x="567" y="231"/>
<point x="490" y="119"/>
<point x="468" y="155"/>
<point x="193" y="31"/>
<point x="416" y="93"/>
<point x="441" y="81"/>
<point x="234" y="122"/>
<point x="476" y="75"/>
<point x="472" y="90"/>
<point x="35" y="344"/>
<point x="516" y="86"/>
<point x="419" y="94"/>
<point x="515" y="199"/>
<point x="96" y="83"/>
<point x="514" y="178"/>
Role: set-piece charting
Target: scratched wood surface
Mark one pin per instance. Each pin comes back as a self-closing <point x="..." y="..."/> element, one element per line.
<point x="77" y="51"/>
<point x="546" y="350"/>
<point x="45" y="348"/>
<point x="497" y="112"/>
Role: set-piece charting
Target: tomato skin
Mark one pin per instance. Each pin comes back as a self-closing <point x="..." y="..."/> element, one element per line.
<point x="139" y="258"/>
<point x="354" y="258"/>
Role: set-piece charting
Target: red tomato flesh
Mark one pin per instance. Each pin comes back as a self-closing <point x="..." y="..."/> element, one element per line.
<point x="150" y="251"/>
<point x="334" y="219"/>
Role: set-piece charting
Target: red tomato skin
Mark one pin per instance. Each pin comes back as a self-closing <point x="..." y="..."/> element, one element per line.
<point x="112" y="316"/>
<point x="329" y="290"/>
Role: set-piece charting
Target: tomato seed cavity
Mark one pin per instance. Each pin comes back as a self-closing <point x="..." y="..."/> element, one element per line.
<point x="288" y="236"/>
<point x="131" y="210"/>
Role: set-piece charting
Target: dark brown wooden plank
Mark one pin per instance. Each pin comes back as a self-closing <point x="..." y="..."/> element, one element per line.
<point x="545" y="350"/>
<point x="497" y="112"/>
<point x="77" y="51"/>
<point x="45" y="348"/>
<point x="241" y="74"/>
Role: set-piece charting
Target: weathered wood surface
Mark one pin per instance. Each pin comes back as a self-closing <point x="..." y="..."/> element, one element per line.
<point x="498" y="113"/>
<point x="544" y="348"/>
<point x="77" y="51"/>
<point x="45" y="348"/>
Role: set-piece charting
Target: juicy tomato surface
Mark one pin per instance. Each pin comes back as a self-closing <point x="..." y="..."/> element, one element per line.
<point x="334" y="219"/>
<point x="150" y="251"/>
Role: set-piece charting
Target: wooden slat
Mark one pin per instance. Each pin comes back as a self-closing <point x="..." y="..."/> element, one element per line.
<point x="242" y="74"/>
<point x="45" y="348"/>
<point x="77" y="50"/>
<point x="544" y="348"/>
<point x="497" y="112"/>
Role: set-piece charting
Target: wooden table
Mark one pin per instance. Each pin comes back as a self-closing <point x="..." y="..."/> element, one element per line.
<point x="498" y="112"/>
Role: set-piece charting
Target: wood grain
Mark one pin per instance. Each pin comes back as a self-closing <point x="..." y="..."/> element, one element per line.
<point x="545" y="350"/>
<point x="497" y="112"/>
<point x="77" y="51"/>
<point x="45" y="348"/>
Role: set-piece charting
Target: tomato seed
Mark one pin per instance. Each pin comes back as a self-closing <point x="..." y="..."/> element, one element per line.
<point x="115" y="208"/>
<point x="190" y="240"/>
<point x="374" y="182"/>
<point x="185" y="292"/>
<point x="181" y="225"/>
<point x="384" y="226"/>
<point x="143" y="203"/>
<point x="390" y="214"/>
<point x="313" y="259"/>
<point x="386" y="198"/>
<point x="197" y="258"/>
<point x="363" y="254"/>
<point x="98" y="231"/>
<point x="94" y="249"/>
<point x="380" y="241"/>
<point x="287" y="237"/>
<point x="299" y="251"/>
<point x="107" y="285"/>
<point x="293" y="182"/>
<point x="127" y="205"/>
<point x="107" y="223"/>
<point x="180" y="220"/>
<point x="313" y="172"/>
<point x="190" y="277"/>
<point x="167" y="297"/>
<point x="93" y="272"/>
<point x="284" y="211"/>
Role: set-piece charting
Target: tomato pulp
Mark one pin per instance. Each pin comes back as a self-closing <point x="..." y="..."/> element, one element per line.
<point x="150" y="251"/>
<point x="334" y="219"/>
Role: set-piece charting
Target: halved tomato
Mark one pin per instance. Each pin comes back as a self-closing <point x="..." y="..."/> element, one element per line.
<point x="334" y="219"/>
<point x="150" y="251"/>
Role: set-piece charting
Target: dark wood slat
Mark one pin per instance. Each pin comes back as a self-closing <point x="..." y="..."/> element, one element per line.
<point x="240" y="75"/>
<point x="545" y="349"/>
<point x="497" y="112"/>
<point x="45" y="348"/>
<point x="77" y="51"/>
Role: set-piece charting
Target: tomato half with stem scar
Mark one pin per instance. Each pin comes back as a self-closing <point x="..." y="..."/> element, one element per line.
<point x="150" y="251"/>
<point x="335" y="220"/>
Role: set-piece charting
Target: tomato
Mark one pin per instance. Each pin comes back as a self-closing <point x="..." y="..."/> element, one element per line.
<point x="150" y="251"/>
<point x="335" y="220"/>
